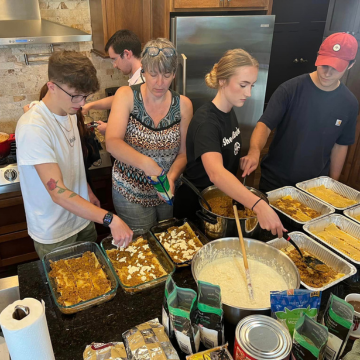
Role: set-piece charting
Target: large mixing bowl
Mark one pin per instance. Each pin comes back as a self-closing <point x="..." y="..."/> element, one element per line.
<point x="217" y="226"/>
<point x="255" y="250"/>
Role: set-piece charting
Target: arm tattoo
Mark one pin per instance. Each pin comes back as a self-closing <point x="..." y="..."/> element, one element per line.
<point x="52" y="185"/>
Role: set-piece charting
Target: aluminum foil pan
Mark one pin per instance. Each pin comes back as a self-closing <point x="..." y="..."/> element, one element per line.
<point x="321" y="252"/>
<point x="353" y="211"/>
<point x="307" y="200"/>
<point x="331" y="184"/>
<point x="342" y="222"/>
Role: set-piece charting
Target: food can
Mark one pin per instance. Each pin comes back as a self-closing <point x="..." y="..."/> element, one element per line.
<point x="260" y="337"/>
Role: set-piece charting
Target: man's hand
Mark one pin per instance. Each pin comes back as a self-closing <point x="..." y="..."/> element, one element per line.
<point x="85" y="109"/>
<point x="120" y="232"/>
<point x="26" y="108"/>
<point x="101" y="127"/>
<point x="249" y="163"/>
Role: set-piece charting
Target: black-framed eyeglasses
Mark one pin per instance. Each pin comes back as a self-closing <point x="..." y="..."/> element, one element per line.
<point x="74" y="98"/>
<point x="155" y="51"/>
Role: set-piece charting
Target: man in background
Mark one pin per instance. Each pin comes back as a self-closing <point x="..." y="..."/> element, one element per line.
<point x="124" y="49"/>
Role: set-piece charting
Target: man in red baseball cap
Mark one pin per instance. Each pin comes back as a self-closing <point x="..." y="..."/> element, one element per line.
<point x="315" y="119"/>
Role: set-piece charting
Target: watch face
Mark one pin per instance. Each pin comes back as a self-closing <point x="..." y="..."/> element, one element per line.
<point x="107" y="219"/>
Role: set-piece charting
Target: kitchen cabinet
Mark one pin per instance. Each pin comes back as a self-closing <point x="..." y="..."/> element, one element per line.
<point x="196" y="4"/>
<point x="298" y="33"/>
<point x="263" y="4"/>
<point x="16" y="246"/>
<point x="109" y="16"/>
<point x="343" y="16"/>
<point x="205" y="4"/>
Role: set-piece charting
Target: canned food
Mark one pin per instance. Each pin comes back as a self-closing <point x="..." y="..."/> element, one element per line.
<point x="259" y="337"/>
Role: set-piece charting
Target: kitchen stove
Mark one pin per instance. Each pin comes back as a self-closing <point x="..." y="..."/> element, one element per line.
<point x="9" y="172"/>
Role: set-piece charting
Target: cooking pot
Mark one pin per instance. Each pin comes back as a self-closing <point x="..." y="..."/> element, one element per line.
<point x="5" y="145"/>
<point x="217" y="226"/>
<point x="255" y="249"/>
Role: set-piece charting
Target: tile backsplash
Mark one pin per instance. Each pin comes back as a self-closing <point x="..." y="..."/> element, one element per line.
<point x="21" y="83"/>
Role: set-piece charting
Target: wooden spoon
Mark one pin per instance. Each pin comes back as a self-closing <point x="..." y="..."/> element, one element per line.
<point x="246" y="265"/>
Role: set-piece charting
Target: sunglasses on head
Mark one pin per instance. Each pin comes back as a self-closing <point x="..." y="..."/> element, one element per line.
<point x="155" y="51"/>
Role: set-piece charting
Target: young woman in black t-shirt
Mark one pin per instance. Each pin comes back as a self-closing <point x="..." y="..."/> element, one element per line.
<point x="213" y="141"/>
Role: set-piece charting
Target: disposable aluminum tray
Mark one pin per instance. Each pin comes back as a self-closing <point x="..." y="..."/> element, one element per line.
<point x="162" y="226"/>
<point x="158" y="251"/>
<point x="75" y="251"/>
<point x="345" y="224"/>
<point x="305" y="199"/>
<point x="331" y="184"/>
<point x="353" y="211"/>
<point x="321" y="252"/>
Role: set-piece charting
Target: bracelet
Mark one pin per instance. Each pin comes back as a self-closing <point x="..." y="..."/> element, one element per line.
<point x="256" y="204"/>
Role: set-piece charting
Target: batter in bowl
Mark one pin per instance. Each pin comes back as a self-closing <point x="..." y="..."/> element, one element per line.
<point x="229" y="274"/>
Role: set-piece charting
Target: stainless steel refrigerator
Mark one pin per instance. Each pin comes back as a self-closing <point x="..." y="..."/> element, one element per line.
<point x="202" y="40"/>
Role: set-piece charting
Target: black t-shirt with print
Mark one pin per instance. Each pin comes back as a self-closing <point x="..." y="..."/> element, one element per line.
<point x="308" y="122"/>
<point x="211" y="130"/>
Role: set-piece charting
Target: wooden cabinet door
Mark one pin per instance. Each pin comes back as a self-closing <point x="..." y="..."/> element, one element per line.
<point x="342" y="16"/>
<point x="197" y="4"/>
<point x="246" y="3"/>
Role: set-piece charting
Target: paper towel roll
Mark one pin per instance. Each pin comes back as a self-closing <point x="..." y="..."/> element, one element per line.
<point x="29" y="337"/>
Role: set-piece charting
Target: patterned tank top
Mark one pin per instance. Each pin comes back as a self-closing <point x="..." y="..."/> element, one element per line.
<point x="162" y="144"/>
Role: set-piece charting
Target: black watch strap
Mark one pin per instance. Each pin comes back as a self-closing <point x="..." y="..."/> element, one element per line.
<point x="108" y="219"/>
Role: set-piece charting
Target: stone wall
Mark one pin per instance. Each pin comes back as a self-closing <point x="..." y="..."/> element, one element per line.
<point x="21" y="83"/>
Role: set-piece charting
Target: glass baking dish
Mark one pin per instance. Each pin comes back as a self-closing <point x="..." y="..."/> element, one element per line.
<point x="156" y="248"/>
<point x="162" y="226"/>
<point x="74" y="251"/>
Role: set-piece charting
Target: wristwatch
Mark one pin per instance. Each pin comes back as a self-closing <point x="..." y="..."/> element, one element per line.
<point x="108" y="219"/>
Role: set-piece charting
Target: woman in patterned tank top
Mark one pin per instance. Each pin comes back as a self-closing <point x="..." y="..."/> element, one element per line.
<point x="146" y="133"/>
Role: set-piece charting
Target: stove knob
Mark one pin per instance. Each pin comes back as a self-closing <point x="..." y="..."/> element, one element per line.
<point x="10" y="175"/>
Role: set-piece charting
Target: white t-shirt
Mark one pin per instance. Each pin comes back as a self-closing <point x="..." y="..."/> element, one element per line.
<point x="40" y="140"/>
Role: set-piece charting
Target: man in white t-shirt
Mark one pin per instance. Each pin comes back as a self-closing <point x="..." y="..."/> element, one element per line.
<point x="124" y="49"/>
<point x="51" y="165"/>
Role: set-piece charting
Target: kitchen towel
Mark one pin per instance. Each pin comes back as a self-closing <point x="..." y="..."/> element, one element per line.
<point x="29" y="337"/>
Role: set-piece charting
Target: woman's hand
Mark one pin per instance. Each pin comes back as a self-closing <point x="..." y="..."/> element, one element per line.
<point x="101" y="127"/>
<point x="268" y="219"/>
<point x="151" y="168"/>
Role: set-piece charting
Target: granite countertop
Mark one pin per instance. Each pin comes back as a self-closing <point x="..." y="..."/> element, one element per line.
<point x="70" y="334"/>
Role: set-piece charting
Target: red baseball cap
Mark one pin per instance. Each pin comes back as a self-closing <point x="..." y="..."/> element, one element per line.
<point x="337" y="50"/>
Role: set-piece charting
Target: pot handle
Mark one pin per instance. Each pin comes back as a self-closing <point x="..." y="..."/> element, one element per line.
<point x="206" y="217"/>
<point x="11" y="137"/>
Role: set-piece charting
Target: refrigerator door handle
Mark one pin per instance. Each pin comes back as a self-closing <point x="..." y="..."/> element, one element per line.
<point x="182" y="62"/>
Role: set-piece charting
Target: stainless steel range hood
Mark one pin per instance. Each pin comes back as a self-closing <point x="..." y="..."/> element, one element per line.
<point x="20" y="23"/>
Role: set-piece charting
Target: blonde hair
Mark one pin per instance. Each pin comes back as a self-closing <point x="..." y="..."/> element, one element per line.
<point x="227" y="65"/>
<point x="159" y="62"/>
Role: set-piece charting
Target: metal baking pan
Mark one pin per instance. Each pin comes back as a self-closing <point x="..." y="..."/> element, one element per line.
<point x="321" y="252"/>
<point x="353" y="211"/>
<point x="331" y="184"/>
<point x="345" y="224"/>
<point x="306" y="199"/>
<point x="75" y="251"/>
<point x="162" y="226"/>
<point x="156" y="248"/>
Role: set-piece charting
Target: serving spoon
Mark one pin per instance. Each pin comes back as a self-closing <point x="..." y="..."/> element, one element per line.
<point x="310" y="261"/>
